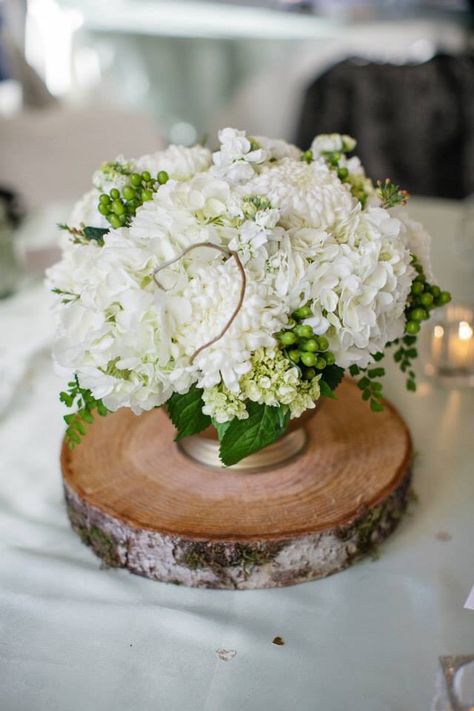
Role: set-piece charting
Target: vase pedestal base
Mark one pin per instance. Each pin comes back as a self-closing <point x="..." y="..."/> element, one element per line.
<point x="140" y="503"/>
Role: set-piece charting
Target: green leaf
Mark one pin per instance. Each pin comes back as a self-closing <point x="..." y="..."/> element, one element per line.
<point x="354" y="370"/>
<point x="264" y="426"/>
<point x="332" y="375"/>
<point x="221" y="428"/>
<point x="186" y="413"/>
<point x="376" y="406"/>
<point x="363" y="383"/>
<point x="95" y="233"/>
<point x="326" y="391"/>
<point x="376" y="372"/>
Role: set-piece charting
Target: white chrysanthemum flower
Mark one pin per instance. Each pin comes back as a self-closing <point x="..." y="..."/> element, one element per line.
<point x="306" y="195"/>
<point x="213" y="293"/>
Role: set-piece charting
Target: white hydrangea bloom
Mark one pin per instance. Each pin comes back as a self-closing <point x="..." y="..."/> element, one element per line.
<point x="418" y="241"/>
<point x="272" y="380"/>
<point x="85" y="212"/>
<point x="180" y="162"/>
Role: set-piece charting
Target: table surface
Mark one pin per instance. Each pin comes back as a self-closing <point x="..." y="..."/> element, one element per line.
<point x="75" y="637"/>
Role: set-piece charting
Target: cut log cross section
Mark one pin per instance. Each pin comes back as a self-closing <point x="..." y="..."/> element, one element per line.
<point x="141" y="504"/>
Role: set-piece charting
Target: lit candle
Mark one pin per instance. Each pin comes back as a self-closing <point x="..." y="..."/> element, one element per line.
<point x="452" y="346"/>
<point x="461" y="346"/>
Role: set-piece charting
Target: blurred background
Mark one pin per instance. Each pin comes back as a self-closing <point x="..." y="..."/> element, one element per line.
<point x="84" y="80"/>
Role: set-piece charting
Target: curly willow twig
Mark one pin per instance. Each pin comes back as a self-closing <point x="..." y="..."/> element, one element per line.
<point x="228" y="253"/>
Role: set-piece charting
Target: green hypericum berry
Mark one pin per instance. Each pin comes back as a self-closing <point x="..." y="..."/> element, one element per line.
<point x="333" y="159"/>
<point x="128" y="192"/>
<point x="307" y="156"/>
<point x="302" y="312"/>
<point x="323" y="343"/>
<point x="417" y="288"/>
<point x="103" y="208"/>
<point x="330" y="358"/>
<point x="104" y="199"/>
<point x="146" y="195"/>
<point x="308" y="359"/>
<point x="418" y="315"/>
<point x="311" y="345"/>
<point x="114" y="221"/>
<point x="342" y="173"/>
<point x="162" y="177"/>
<point x="136" y="179"/>
<point x="412" y="327"/>
<point x="444" y="298"/>
<point x="287" y="338"/>
<point x="114" y="194"/>
<point x="321" y="363"/>
<point x="426" y="299"/>
<point x="294" y="355"/>
<point x="309" y="374"/>
<point x="303" y="331"/>
<point x="146" y="176"/>
<point x="123" y="219"/>
<point x="118" y="207"/>
<point x="436" y="291"/>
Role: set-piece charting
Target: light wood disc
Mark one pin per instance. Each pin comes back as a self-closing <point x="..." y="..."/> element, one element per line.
<point x="141" y="503"/>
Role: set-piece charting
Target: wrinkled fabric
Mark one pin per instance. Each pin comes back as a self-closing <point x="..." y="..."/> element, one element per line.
<point x="74" y="636"/>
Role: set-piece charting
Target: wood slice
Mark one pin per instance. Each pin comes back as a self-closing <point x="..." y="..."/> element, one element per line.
<point x="140" y="503"/>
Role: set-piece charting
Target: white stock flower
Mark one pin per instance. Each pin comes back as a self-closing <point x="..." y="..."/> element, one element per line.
<point x="330" y="142"/>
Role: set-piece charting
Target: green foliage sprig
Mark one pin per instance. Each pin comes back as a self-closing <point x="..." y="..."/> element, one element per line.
<point x="390" y="194"/>
<point x="87" y="406"/>
<point x="372" y="389"/>
<point x="85" y="235"/>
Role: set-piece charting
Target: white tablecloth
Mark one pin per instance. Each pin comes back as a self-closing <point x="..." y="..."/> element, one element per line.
<point x="74" y="637"/>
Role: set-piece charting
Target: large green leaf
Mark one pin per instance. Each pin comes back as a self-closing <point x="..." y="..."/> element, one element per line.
<point x="186" y="413"/>
<point x="264" y="425"/>
<point x="332" y="376"/>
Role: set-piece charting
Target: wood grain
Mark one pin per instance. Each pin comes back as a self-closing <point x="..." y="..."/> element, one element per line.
<point x="153" y="510"/>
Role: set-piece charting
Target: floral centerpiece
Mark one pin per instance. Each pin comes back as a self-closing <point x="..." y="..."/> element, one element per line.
<point x="237" y="287"/>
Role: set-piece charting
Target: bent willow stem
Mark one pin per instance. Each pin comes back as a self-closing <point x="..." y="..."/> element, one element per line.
<point x="228" y="253"/>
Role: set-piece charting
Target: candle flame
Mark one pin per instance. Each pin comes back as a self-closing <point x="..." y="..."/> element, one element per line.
<point x="438" y="331"/>
<point x="464" y="331"/>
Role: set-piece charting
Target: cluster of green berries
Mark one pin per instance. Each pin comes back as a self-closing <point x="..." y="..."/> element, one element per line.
<point x="303" y="347"/>
<point x="423" y="298"/>
<point x="119" y="209"/>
